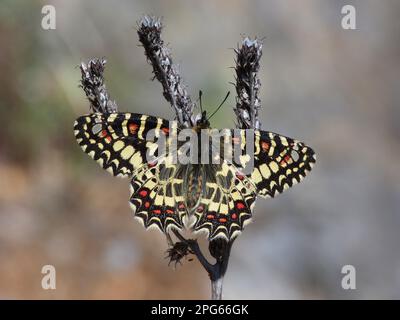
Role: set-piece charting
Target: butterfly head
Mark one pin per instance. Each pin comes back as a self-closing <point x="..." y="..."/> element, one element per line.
<point x="202" y="122"/>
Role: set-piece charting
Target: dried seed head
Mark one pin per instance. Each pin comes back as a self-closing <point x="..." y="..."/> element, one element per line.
<point x="247" y="84"/>
<point x="178" y="251"/>
<point x="92" y="82"/>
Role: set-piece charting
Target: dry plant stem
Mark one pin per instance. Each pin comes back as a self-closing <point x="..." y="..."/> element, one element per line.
<point x="194" y="246"/>
<point x="159" y="56"/>
<point x="149" y="32"/>
<point x="220" y="249"/>
<point x="216" y="289"/>
<point x="247" y="105"/>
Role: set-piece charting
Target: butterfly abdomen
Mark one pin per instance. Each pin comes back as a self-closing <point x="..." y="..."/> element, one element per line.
<point x="194" y="186"/>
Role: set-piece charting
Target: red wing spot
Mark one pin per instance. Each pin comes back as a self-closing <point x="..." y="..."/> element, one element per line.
<point x="133" y="128"/>
<point x="181" y="206"/>
<point x="165" y="130"/>
<point x="200" y="209"/>
<point x="169" y="211"/>
<point x="285" y="160"/>
<point x="222" y="220"/>
<point x="143" y="193"/>
<point x="152" y="164"/>
<point x="210" y="216"/>
<point x="103" y="133"/>
<point x="147" y="204"/>
<point x="265" y="145"/>
<point x="108" y="139"/>
<point x="240" y="205"/>
<point x="239" y="175"/>
<point x="157" y="211"/>
<point x="234" y="215"/>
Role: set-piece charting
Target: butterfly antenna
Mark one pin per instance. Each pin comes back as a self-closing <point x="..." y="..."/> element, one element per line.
<point x="201" y="103"/>
<point x="223" y="101"/>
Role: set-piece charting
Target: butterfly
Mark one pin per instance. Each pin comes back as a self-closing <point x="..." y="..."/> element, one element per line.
<point x="215" y="198"/>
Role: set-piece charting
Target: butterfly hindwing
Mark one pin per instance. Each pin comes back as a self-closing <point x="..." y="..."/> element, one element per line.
<point x="156" y="196"/>
<point x="117" y="141"/>
<point x="225" y="205"/>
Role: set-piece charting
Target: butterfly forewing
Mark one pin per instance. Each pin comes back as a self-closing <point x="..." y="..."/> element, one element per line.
<point x="279" y="163"/>
<point x="117" y="141"/>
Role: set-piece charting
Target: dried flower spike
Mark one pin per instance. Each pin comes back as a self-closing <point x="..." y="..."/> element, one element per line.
<point x="92" y="82"/>
<point x="149" y="31"/>
<point x="178" y="251"/>
<point x="248" y="84"/>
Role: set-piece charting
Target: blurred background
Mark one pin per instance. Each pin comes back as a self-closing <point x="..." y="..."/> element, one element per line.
<point x="335" y="89"/>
